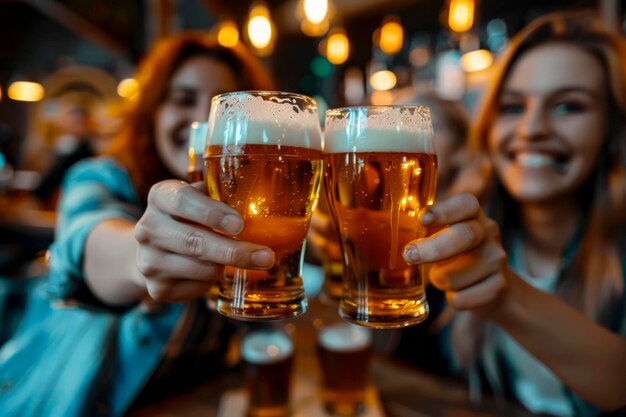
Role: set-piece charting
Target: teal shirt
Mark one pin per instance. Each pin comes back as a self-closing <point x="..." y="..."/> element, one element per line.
<point x="84" y="360"/>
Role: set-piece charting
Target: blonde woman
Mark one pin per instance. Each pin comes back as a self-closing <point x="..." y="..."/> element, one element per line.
<point x="538" y="277"/>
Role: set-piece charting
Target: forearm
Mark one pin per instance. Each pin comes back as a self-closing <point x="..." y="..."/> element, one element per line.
<point x="110" y="263"/>
<point x="588" y="358"/>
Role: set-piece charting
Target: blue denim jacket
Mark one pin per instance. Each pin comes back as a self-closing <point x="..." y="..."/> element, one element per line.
<point x="73" y="358"/>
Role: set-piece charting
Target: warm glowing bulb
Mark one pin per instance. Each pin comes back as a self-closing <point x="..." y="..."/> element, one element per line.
<point x="315" y="10"/>
<point x="260" y="27"/>
<point x="25" y="91"/>
<point x="383" y="80"/>
<point x="476" y="60"/>
<point x="391" y="36"/>
<point x="128" y="88"/>
<point x="461" y="15"/>
<point x="228" y="35"/>
<point x="337" y="48"/>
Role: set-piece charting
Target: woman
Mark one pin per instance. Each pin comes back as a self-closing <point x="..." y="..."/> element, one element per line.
<point x="131" y="349"/>
<point x="540" y="289"/>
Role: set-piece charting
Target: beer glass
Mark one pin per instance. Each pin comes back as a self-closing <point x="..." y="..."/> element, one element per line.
<point x="267" y="367"/>
<point x="344" y="352"/>
<point x="380" y="170"/>
<point x="264" y="159"/>
<point x="197" y="143"/>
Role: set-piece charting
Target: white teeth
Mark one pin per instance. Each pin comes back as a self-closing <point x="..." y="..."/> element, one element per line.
<point x="535" y="160"/>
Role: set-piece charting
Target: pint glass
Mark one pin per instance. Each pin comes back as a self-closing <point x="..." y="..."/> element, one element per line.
<point x="267" y="367"/>
<point x="344" y="352"/>
<point x="264" y="159"/>
<point x="381" y="169"/>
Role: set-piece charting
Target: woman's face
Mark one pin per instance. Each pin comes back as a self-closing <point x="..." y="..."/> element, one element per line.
<point x="188" y="99"/>
<point x="551" y="122"/>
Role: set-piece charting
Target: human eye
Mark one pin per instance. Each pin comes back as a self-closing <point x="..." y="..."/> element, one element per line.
<point x="564" y="108"/>
<point x="182" y="98"/>
<point x="511" y="108"/>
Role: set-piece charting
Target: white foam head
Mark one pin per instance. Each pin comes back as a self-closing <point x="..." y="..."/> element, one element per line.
<point x="344" y="337"/>
<point x="378" y="129"/>
<point x="264" y="117"/>
<point x="266" y="347"/>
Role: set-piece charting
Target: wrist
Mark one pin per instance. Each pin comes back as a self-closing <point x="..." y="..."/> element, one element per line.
<point x="509" y="307"/>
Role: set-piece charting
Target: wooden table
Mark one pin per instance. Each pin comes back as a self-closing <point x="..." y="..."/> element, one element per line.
<point x="403" y="390"/>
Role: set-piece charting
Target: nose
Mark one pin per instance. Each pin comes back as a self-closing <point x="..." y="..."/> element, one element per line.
<point x="534" y="123"/>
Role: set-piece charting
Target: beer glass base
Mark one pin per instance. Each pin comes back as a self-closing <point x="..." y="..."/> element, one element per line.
<point x="265" y="311"/>
<point x="384" y="318"/>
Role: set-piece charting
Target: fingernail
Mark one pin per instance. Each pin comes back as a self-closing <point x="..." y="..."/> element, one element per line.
<point x="411" y="255"/>
<point x="427" y="217"/>
<point x="231" y="224"/>
<point x="262" y="258"/>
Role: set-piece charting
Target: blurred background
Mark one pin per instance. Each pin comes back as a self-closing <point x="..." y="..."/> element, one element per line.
<point x="345" y="52"/>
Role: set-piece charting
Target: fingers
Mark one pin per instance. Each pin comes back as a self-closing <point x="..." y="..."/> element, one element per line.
<point x="483" y="293"/>
<point x="455" y="209"/>
<point x="202" y="244"/>
<point x="177" y="291"/>
<point x="449" y="242"/>
<point x="193" y="277"/>
<point x="179" y="199"/>
<point x="156" y="265"/>
<point x="467" y="269"/>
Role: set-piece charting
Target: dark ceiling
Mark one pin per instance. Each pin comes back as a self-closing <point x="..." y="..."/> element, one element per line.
<point x="40" y="36"/>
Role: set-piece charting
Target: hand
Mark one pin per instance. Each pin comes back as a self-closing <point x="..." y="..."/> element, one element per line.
<point x="185" y="239"/>
<point x="465" y="257"/>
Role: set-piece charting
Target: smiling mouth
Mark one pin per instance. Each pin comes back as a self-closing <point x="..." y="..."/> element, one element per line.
<point x="539" y="160"/>
<point x="181" y="139"/>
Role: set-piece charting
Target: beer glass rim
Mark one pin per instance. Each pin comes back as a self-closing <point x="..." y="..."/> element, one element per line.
<point x="270" y="93"/>
<point x="354" y="109"/>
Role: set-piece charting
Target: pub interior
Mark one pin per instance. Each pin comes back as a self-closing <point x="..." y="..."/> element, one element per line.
<point x="401" y="208"/>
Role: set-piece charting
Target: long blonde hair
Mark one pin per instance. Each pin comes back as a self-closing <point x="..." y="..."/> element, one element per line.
<point x="593" y="283"/>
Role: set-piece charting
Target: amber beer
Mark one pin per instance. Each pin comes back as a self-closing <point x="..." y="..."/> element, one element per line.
<point x="270" y="173"/>
<point x="274" y="191"/>
<point x="377" y="184"/>
<point x="344" y="352"/>
<point x="267" y="361"/>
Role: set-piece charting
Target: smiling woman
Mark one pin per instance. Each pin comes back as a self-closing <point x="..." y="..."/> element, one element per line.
<point x="552" y="124"/>
<point x="136" y="351"/>
<point x="544" y="281"/>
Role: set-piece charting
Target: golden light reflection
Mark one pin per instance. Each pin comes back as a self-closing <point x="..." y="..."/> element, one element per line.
<point x="228" y="34"/>
<point x="128" y="88"/>
<point x="461" y="15"/>
<point x="391" y="36"/>
<point x="252" y="209"/>
<point x="476" y="60"/>
<point x="260" y="29"/>
<point x="25" y="91"/>
<point x="316" y="10"/>
<point x="383" y="80"/>
<point x="337" y="47"/>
